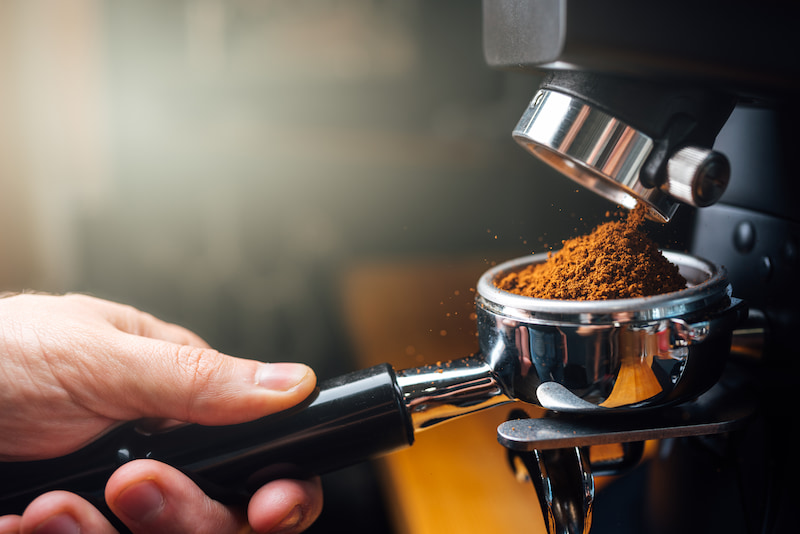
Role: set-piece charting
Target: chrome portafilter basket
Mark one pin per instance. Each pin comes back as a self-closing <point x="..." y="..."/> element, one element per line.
<point x="608" y="372"/>
<point x="623" y="354"/>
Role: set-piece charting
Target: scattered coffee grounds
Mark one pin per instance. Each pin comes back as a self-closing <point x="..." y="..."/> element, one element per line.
<point x="615" y="261"/>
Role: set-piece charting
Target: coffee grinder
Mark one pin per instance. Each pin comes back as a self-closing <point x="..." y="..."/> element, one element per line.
<point x="688" y="108"/>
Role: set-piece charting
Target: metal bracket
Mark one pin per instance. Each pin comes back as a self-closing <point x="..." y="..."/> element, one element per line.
<point x="559" y="431"/>
<point x="554" y="449"/>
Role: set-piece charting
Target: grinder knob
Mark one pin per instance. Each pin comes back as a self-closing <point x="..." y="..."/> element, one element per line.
<point x="697" y="176"/>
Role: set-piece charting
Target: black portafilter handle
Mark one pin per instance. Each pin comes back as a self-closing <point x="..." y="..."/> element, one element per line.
<point x="350" y="419"/>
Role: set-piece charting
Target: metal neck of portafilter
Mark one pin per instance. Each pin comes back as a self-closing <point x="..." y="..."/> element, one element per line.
<point x="437" y="393"/>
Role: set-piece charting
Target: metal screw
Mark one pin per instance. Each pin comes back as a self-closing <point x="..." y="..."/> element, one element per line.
<point x="697" y="176"/>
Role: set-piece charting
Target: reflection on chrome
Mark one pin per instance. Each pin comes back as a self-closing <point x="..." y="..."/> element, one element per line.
<point x="436" y="393"/>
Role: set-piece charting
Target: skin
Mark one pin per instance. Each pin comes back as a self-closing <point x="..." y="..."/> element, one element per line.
<point x="74" y="366"/>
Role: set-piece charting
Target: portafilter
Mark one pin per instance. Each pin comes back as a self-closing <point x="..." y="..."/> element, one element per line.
<point x="569" y="356"/>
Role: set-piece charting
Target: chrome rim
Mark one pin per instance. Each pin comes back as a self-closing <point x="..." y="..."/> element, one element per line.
<point x="707" y="287"/>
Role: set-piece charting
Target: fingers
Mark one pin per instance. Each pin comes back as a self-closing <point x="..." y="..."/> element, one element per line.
<point x="60" y="512"/>
<point x="285" y="506"/>
<point x="153" y="498"/>
<point x="9" y="524"/>
<point x="133" y="321"/>
<point x="148" y="326"/>
<point x="150" y="497"/>
<point x="161" y="370"/>
<point x="191" y="382"/>
<point x="204" y="386"/>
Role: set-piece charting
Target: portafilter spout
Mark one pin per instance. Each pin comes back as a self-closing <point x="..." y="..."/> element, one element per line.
<point x="566" y="356"/>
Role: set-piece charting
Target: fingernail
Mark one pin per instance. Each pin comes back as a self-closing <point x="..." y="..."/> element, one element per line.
<point x="141" y="502"/>
<point x="290" y="522"/>
<point x="59" y="524"/>
<point x="281" y="376"/>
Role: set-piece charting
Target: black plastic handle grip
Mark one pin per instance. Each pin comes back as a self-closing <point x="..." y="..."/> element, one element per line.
<point x="351" y="419"/>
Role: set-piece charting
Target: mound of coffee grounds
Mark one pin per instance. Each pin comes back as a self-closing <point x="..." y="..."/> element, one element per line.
<point x="615" y="261"/>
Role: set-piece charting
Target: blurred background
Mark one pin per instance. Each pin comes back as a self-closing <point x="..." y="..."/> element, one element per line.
<point x="310" y="180"/>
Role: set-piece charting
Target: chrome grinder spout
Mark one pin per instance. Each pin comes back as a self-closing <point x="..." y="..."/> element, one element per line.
<point x="629" y="140"/>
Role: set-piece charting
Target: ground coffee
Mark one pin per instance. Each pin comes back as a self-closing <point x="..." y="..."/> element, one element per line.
<point x="615" y="261"/>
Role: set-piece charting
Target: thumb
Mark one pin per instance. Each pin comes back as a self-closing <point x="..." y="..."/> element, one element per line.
<point x="202" y="385"/>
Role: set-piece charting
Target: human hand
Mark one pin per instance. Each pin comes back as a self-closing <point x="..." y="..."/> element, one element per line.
<point x="74" y="366"/>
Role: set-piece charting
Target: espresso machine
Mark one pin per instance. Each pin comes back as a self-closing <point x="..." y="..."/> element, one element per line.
<point x="684" y="107"/>
<point x="688" y="108"/>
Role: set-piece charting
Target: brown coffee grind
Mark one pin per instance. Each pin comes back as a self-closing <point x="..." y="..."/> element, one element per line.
<point x="615" y="261"/>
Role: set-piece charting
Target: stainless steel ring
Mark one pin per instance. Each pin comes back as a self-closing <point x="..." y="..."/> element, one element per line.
<point x="592" y="148"/>
<point x="707" y="285"/>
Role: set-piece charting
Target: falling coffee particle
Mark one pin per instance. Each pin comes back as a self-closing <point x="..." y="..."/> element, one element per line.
<point x="616" y="260"/>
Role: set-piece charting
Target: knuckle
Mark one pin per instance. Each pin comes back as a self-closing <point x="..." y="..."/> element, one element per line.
<point x="199" y="367"/>
<point x="198" y="363"/>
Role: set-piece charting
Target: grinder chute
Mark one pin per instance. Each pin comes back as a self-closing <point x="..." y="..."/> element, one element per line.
<point x="630" y="141"/>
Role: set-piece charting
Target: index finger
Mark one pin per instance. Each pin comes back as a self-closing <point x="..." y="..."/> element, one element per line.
<point x="131" y="320"/>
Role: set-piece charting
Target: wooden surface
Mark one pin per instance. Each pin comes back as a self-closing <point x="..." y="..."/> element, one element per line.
<point x="455" y="478"/>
